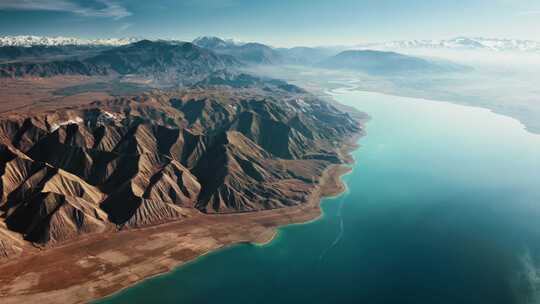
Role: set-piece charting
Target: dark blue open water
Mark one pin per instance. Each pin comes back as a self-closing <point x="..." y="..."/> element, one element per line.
<point x="443" y="207"/>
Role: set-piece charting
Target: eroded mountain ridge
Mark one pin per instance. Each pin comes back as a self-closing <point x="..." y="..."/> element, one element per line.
<point x="138" y="161"/>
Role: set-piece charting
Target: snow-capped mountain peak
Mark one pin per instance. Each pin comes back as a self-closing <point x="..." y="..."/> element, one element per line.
<point x="460" y="43"/>
<point x="215" y="42"/>
<point x="30" y="40"/>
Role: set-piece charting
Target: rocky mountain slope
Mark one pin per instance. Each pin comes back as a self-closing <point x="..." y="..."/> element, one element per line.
<point x="158" y="157"/>
<point x="242" y="80"/>
<point x="40" y="53"/>
<point x="159" y="61"/>
<point x="258" y="53"/>
<point x="253" y="53"/>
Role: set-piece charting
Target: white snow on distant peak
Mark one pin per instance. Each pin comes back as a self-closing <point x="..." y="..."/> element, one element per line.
<point x="216" y="42"/>
<point x="30" y="40"/>
<point x="460" y="43"/>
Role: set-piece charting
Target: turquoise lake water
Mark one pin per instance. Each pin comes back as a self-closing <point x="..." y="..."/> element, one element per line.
<point x="443" y="207"/>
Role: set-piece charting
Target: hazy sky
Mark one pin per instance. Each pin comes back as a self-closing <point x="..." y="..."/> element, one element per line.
<point x="278" y="22"/>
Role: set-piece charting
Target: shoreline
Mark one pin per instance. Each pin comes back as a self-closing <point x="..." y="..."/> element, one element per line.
<point x="355" y="88"/>
<point x="275" y="231"/>
<point x="99" y="266"/>
<point x="272" y="233"/>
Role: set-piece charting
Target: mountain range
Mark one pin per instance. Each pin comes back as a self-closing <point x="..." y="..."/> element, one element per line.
<point x="258" y="53"/>
<point x="383" y="63"/>
<point x="165" y="63"/>
<point x="30" y="40"/>
<point x="215" y="43"/>
<point x="210" y="139"/>
<point x="158" y="61"/>
<point x="295" y="54"/>
<point x="459" y="43"/>
<point x="137" y="161"/>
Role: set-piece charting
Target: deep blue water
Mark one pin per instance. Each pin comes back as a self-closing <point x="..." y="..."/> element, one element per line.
<point x="443" y="207"/>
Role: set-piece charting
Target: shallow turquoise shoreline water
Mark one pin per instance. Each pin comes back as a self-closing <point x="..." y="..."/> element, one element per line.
<point x="443" y="206"/>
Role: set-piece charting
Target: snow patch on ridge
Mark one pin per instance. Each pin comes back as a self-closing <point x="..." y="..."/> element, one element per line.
<point x="56" y="126"/>
<point x="105" y="118"/>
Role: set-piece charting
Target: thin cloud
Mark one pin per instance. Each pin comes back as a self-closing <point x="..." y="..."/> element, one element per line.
<point x="110" y="8"/>
<point x="211" y="4"/>
<point x="122" y="28"/>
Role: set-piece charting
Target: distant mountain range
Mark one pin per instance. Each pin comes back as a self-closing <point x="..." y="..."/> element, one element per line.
<point x="30" y="40"/>
<point x="379" y="62"/>
<point x="159" y="61"/>
<point x="459" y="43"/>
<point x="269" y="53"/>
<point x="187" y="63"/>
<point x="259" y="53"/>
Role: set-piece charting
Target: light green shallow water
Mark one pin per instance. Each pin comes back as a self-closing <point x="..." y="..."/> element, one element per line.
<point x="443" y="207"/>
